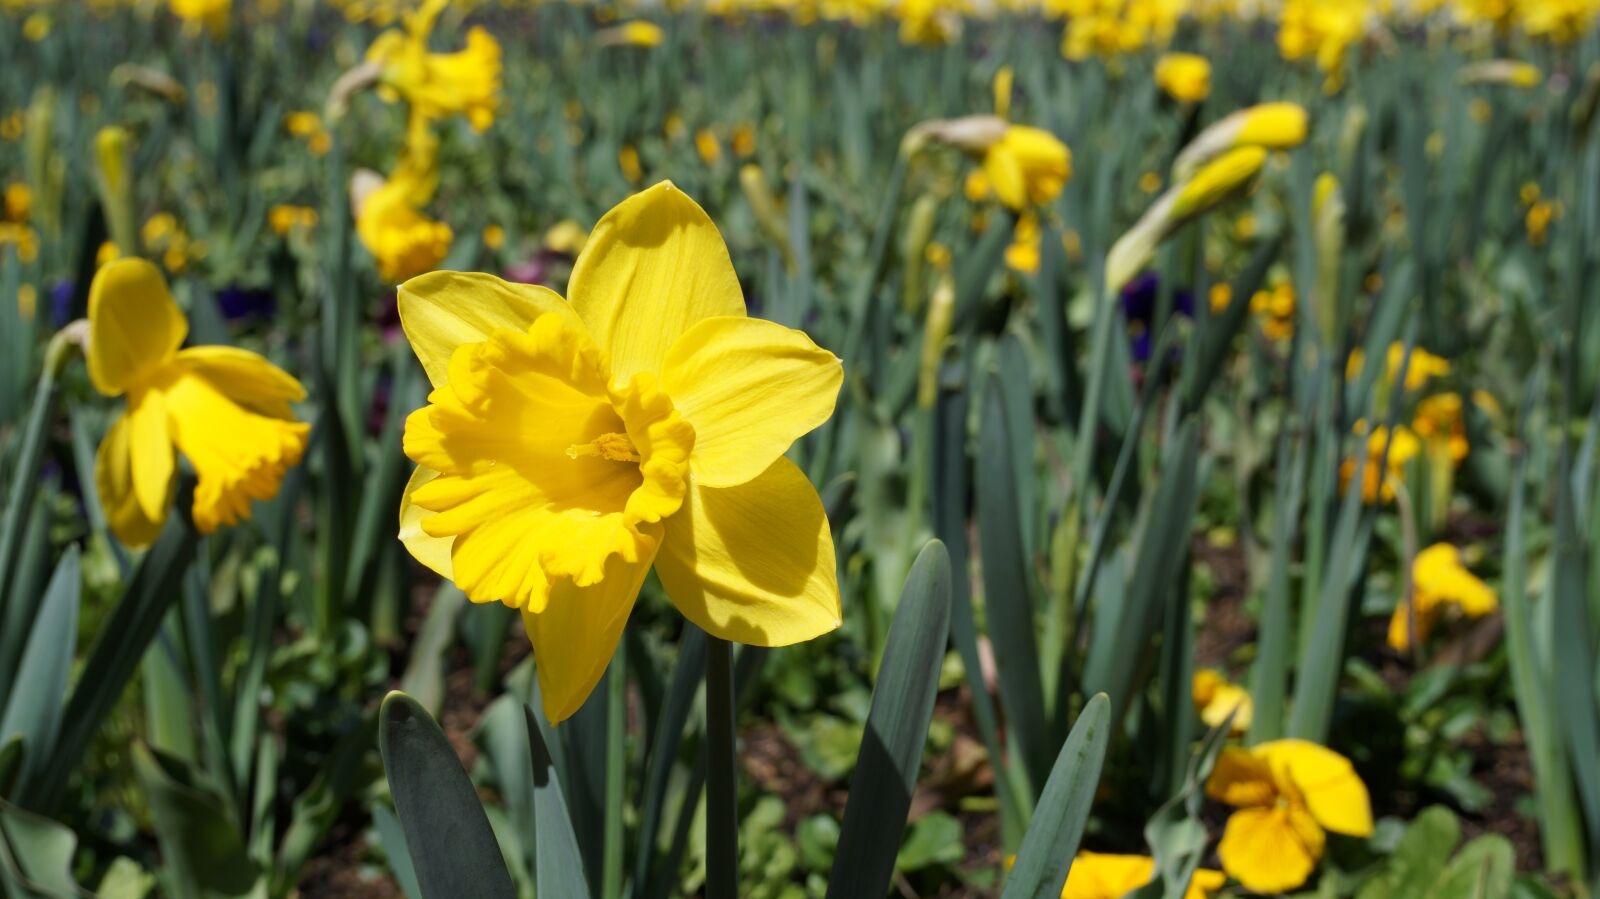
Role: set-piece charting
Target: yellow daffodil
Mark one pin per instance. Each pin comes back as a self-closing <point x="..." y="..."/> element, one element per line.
<point x="23" y="238"/>
<point x="1438" y="421"/>
<point x="439" y="84"/>
<point x="744" y="140"/>
<point x="1288" y="793"/>
<point x="1274" y="308"/>
<point x="1023" y="253"/>
<point x="1212" y="184"/>
<point x="225" y="409"/>
<point x="1439" y="582"/>
<point x="494" y="236"/>
<point x="1420" y="369"/>
<point x="628" y="161"/>
<point x="1027" y="166"/>
<point x="930" y="23"/>
<point x="568" y="446"/>
<point x="18" y="202"/>
<point x="389" y="218"/>
<point x="1379" y="479"/>
<point x="566" y="237"/>
<point x="1184" y="77"/>
<point x="1272" y="126"/>
<point x="1096" y="875"/>
<point x="1537" y="221"/>
<point x="707" y="145"/>
<point x="284" y="218"/>
<point x="210" y="14"/>
<point x="1215" y="698"/>
<point x="308" y="127"/>
<point x="1501" y="71"/>
<point x="637" y="33"/>
<point x="1323" y="30"/>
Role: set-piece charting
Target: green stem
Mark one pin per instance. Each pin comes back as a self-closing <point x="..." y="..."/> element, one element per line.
<point x="722" y="819"/>
<point x="616" y="725"/>
<point x="25" y="476"/>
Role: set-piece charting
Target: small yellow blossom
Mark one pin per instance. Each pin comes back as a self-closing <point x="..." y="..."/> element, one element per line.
<point x="1439" y="583"/>
<point x="1215" y="698"/>
<point x="37" y="27"/>
<point x="209" y="14"/>
<point x="1378" y="479"/>
<point x="637" y="33"/>
<point x="1288" y="793"/>
<point x="1150" y="182"/>
<point x="225" y="409"/>
<point x="744" y="140"/>
<point x="1022" y="255"/>
<point x="494" y="236"/>
<point x="1097" y="875"/>
<point x="566" y="237"/>
<point x="284" y="218"/>
<point x="1540" y="215"/>
<point x="1184" y="77"/>
<point x="628" y="161"/>
<point x="18" y="202"/>
<point x="707" y="145"/>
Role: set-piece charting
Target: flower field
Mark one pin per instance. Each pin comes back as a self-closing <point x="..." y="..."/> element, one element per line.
<point x="1114" y="449"/>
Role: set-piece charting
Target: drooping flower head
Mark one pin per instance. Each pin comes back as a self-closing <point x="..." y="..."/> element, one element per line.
<point x="1289" y="794"/>
<point x="436" y="85"/>
<point x="226" y="410"/>
<point x="569" y="446"/>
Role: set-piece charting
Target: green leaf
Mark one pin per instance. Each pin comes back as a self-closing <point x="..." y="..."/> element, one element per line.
<point x="392" y="838"/>
<point x="202" y="851"/>
<point x="34" y="712"/>
<point x="897" y="729"/>
<point x="1051" y="842"/>
<point x="36" y="855"/>
<point x="1419" y="858"/>
<point x="452" y="847"/>
<point x="1008" y="586"/>
<point x="558" y="868"/>
<point x="1481" y="870"/>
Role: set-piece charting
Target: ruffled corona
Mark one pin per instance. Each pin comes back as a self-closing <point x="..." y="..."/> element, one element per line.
<point x="546" y="469"/>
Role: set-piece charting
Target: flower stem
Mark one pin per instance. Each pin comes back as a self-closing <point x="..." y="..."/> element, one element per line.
<point x="722" y="819"/>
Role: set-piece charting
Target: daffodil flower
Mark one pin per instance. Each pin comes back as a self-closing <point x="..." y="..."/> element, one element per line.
<point x="1097" y="875"/>
<point x="569" y="446"/>
<point x="439" y="84"/>
<point x="1438" y="582"/>
<point x="1215" y="698"/>
<point x="1289" y="794"/>
<point x="225" y="409"/>
<point x="1184" y="77"/>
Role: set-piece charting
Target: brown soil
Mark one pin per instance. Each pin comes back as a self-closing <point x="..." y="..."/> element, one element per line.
<point x="1226" y="628"/>
<point x="340" y="872"/>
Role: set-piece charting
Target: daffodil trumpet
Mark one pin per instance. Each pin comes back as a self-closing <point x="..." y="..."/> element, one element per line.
<point x="570" y="445"/>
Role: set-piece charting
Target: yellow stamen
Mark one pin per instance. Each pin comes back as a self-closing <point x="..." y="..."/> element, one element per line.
<point x="613" y="446"/>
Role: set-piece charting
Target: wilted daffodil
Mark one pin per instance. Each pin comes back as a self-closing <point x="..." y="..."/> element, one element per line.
<point x="439" y="84"/>
<point x="568" y="446"/>
<point x="1288" y="793"/>
<point x="225" y="409"/>
<point x="1215" y="698"/>
<point x="1096" y="875"/>
<point x="1439" y="582"/>
<point x="1184" y="77"/>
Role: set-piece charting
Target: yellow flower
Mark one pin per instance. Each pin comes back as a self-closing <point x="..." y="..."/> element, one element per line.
<point x="308" y="127"/>
<point x="1096" y="875"/>
<point x="225" y="409"/>
<point x="440" y="84"/>
<point x="628" y="161"/>
<point x="1215" y="699"/>
<point x="1149" y="182"/>
<point x="37" y="27"/>
<point x="285" y="218"/>
<point x="1287" y="792"/>
<point x="1221" y="297"/>
<point x="707" y="145"/>
<point x="744" y="140"/>
<point x="1027" y="166"/>
<point x="1438" y="421"/>
<point x="211" y="14"/>
<point x="494" y="236"/>
<point x="1402" y="449"/>
<point x="1422" y="368"/>
<point x="1325" y="30"/>
<point x="637" y="33"/>
<point x="1538" y="220"/>
<point x="566" y="237"/>
<point x="24" y="238"/>
<point x="1023" y="253"/>
<point x="568" y="446"/>
<point x="1439" y="582"/>
<point x="928" y="22"/>
<point x="1184" y="77"/>
<point x="403" y="240"/>
<point x="1273" y="126"/>
<point x="1215" y="182"/>
<point x="27" y="301"/>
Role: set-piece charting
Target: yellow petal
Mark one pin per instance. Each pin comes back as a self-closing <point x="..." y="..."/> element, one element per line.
<point x="750" y="388"/>
<point x="443" y="310"/>
<point x="1327" y="784"/>
<point x="250" y="379"/>
<point x="1240" y="778"/>
<point x="753" y="563"/>
<point x="1204" y="882"/>
<point x="431" y="551"/>
<point x="576" y="635"/>
<point x="653" y="267"/>
<point x="134" y="325"/>
<point x="151" y="452"/>
<point x="113" y="477"/>
<point x="1270" y="850"/>
<point x="1004" y="171"/>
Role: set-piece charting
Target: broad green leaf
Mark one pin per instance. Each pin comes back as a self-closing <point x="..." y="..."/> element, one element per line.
<point x="1051" y="842"/>
<point x="453" y="850"/>
<point x="201" y="848"/>
<point x="897" y="729"/>
<point x="34" y="712"/>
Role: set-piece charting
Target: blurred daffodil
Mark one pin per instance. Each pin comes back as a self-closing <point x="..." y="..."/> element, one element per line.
<point x="224" y="409"/>
<point x="439" y="84"/>
<point x="209" y="14"/>
<point x="1212" y="184"/>
<point x="1381" y="474"/>
<point x="1272" y="126"/>
<point x="1184" y="77"/>
<point x="389" y="217"/>
<point x="569" y="446"/>
<point x="637" y="33"/>
<point x="1289" y="794"/>
<point x="1215" y="698"/>
<point x="1439" y="583"/>
<point x="1096" y="875"/>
